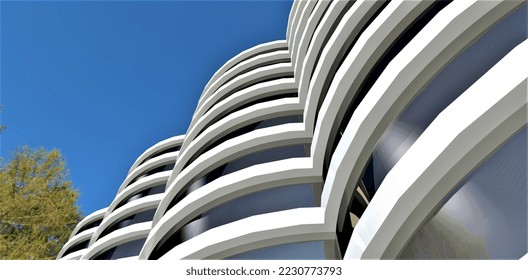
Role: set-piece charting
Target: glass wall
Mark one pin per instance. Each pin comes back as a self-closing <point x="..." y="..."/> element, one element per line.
<point x="310" y="250"/>
<point x="77" y="247"/>
<point x="267" y="201"/>
<point x="486" y="216"/>
<point x="145" y="216"/>
<point x="149" y="191"/>
<point x="450" y="83"/>
<point x="128" y="249"/>
<point x="90" y="225"/>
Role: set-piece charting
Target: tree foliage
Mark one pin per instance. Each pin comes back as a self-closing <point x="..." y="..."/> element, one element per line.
<point x="37" y="205"/>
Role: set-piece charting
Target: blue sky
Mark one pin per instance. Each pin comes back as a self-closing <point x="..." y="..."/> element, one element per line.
<point x="102" y="81"/>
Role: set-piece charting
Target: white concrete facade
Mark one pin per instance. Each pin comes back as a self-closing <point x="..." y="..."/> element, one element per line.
<point x="285" y="146"/>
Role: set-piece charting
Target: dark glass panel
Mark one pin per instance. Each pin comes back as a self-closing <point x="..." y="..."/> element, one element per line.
<point x="146" y="173"/>
<point x="330" y="32"/>
<point x="145" y="216"/>
<point x="90" y="225"/>
<point x="128" y="249"/>
<point x="149" y="191"/>
<point x="279" y="95"/>
<point x="259" y="53"/>
<point x="244" y="130"/>
<point x="263" y="79"/>
<point x="263" y="64"/>
<point x="165" y="151"/>
<point x="268" y="155"/>
<point x="310" y="250"/>
<point x="77" y="247"/>
<point x="267" y="201"/>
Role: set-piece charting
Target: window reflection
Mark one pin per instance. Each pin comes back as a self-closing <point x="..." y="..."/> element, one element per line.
<point x="128" y="249"/>
<point x="456" y="77"/>
<point x="267" y="201"/>
<point x="310" y="250"/>
<point x="486" y="217"/>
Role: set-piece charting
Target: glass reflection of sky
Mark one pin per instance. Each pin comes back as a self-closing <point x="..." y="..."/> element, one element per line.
<point x="487" y="216"/>
<point x="487" y="212"/>
<point x="492" y="202"/>
<point x="310" y="250"/>
<point x="450" y="83"/>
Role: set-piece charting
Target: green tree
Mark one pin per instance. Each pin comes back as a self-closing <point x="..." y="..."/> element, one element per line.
<point x="37" y="205"/>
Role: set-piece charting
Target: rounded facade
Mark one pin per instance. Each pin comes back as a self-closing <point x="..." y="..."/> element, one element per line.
<point x="376" y="130"/>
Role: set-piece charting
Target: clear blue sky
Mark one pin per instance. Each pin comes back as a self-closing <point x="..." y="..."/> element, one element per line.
<point x="102" y="81"/>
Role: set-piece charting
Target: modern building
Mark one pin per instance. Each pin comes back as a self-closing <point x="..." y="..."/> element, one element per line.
<point x="376" y="130"/>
